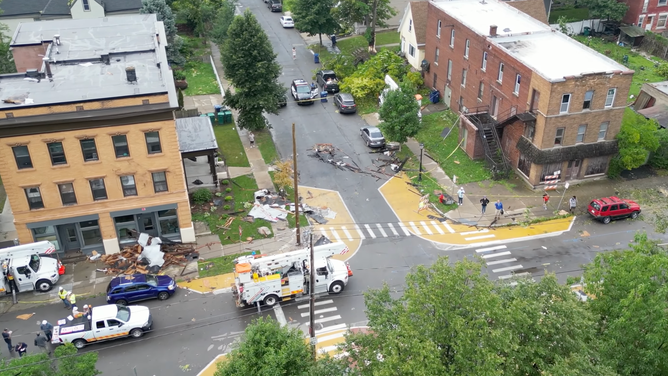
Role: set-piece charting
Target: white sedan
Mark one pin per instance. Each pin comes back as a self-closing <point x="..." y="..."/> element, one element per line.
<point x="287" y="22"/>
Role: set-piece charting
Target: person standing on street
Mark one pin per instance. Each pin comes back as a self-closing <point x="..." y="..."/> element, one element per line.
<point x="47" y="328"/>
<point x="251" y="137"/>
<point x="7" y="336"/>
<point x="21" y="348"/>
<point x="72" y="298"/>
<point x="499" y="209"/>
<point x="483" y="203"/>
<point x="460" y="195"/>
<point x="62" y="294"/>
<point x="294" y="53"/>
<point x="546" y="198"/>
<point x="41" y="342"/>
<point x="572" y="203"/>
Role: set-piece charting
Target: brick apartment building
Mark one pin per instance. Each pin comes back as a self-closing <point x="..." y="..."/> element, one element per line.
<point x="649" y="14"/>
<point x="531" y="99"/>
<point x="88" y="136"/>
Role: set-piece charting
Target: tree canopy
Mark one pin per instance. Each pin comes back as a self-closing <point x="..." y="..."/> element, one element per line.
<point x="637" y="138"/>
<point x="315" y="17"/>
<point x="67" y="363"/>
<point x="249" y="63"/>
<point x="350" y="12"/>
<point x="610" y="10"/>
<point x="399" y="114"/>
<point x="164" y="14"/>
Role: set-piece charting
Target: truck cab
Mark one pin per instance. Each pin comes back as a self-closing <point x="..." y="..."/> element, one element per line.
<point x="25" y="268"/>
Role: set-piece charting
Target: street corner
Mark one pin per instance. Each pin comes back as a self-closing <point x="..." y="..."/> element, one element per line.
<point x="404" y="199"/>
<point x="211" y="284"/>
<point x="338" y="217"/>
<point x="212" y="367"/>
<point x="328" y="342"/>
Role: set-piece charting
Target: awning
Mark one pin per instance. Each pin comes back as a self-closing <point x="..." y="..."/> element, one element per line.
<point x="195" y="134"/>
<point x="633" y="31"/>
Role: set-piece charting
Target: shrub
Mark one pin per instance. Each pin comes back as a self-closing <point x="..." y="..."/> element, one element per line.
<point x="202" y="196"/>
<point x="228" y="198"/>
<point x="228" y="189"/>
<point x="415" y="78"/>
<point x="224" y="182"/>
<point x="662" y="70"/>
<point x="659" y="158"/>
<point x="179" y="75"/>
<point x="227" y="207"/>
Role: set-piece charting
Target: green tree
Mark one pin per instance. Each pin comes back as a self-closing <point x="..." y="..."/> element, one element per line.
<point x="249" y="63"/>
<point x="659" y="158"/>
<point x="631" y="290"/>
<point x="67" y="363"/>
<point x="6" y="57"/>
<point x="351" y="12"/>
<point x="267" y="348"/>
<point x="610" y="10"/>
<point x="637" y="138"/>
<point x="399" y="114"/>
<point x="164" y="14"/>
<point x="222" y="22"/>
<point x="315" y="17"/>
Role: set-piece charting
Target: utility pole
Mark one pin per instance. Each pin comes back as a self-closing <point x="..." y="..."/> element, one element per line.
<point x="296" y="186"/>
<point x="311" y="291"/>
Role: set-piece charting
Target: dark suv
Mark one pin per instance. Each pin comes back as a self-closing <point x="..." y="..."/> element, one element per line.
<point x="131" y="288"/>
<point x="275" y="5"/>
<point x="609" y="208"/>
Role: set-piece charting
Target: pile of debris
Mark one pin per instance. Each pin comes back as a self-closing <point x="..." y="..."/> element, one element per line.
<point x="149" y="255"/>
<point x="327" y="152"/>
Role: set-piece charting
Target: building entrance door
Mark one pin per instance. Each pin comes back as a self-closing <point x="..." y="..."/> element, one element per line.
<point x="147" y="223"/>
<point x="68" y="237"/>
<point x="573" y="169"/>
<point x="447" y="95"/>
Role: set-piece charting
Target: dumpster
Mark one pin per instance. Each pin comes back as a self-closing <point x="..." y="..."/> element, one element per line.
<point x="323" y="96"/>
<point x="587" y="31"/>
<point x="227" y="117"/>
<point x="434" y="96"/>
<point x="212" y="117"/>
<point x="316" y="58"/>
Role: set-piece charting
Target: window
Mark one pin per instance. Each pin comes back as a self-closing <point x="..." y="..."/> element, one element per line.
<point x="524" y="165"/>
<point x="661" y="22"/>
<point x="34" y="198"/>
<point x="565" y="102"/>
<point x="67" y="195"/>
<point x="603" y="131"/>
<point x="481" y="90"/>
<point x="610" y="98"/>
<point x="529" y="131"/>
<point x="559" y="136"/>
<point x="169" y="223"/>
<point x="57" y="153"/>
<point x="586" y="105"/>
<point x="22" y="157"/>
<point x="484" y="61"/>
<point x="126" y="227"/>
<point x="596" y="165"/>
<point x="436" y="53"/>
<point x="89" y="150"/>
<point x="452" y="38"/>
<point x="581" y="133"/>
<point x="466" y="49"/>
<point x="410" y="25"/>
<point x="641" y="20"/>
<point x="86" y="5"/>
<point x="662" y="2"/>
<point x="438" y="29"/>
<point x="464" y="72"/>
<point x="160" y="181"/>
<point x="100" y="325"/>
<point x="449" y="70"/>
<point x="518" y="78"/>
<point x="90" y="232"/>
<point x="550" y="169"/>
<point x="411" y="50"/>
<point x="128" y="184"/>
<point x="98" y="189"/>
<point x="435" y="81"/>
<point x="153" y="142"/>
<point x="500" y="76"/>
<point x="121" y="146"/>
<point x="461" y="103"/>
<point x="46" y="233"/>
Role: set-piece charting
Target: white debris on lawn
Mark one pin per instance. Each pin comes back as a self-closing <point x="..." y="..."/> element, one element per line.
<point x="267" y="213"/>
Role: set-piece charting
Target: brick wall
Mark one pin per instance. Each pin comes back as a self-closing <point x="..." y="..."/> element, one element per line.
<point x="29" y="57"/>
<point x="473" y="145"/>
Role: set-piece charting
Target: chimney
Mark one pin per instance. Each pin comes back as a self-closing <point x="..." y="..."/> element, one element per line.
<point x="57" y="39"/>
<point x="492" y="30"/>
<point x="47" y="68"/>
<point x="131" y="74"/>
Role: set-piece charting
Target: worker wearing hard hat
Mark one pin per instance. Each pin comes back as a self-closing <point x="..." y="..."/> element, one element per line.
<point x="62" y="294"/>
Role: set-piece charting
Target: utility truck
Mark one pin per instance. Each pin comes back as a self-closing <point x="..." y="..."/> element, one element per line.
<point x="268" y="279"/>
<point x="25" y="269"/>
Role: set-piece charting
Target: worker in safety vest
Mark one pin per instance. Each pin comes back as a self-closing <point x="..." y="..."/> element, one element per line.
<point x="62" y="294"/>
<point x="72" y="298"/>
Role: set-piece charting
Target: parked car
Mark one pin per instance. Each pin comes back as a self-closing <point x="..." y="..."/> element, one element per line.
<point x="302" y="92"/>
<point x="275" y="5"/>
<point x="608" y="208"/>
<point x="287" y="22"/>
<point x="327" y="81"/>
<point x="345" y="103"/>
<point x="131" y="288"/>
<point x="372" y="136"/>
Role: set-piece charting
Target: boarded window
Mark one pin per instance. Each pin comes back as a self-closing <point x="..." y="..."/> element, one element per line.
<point x="597" y="165"/>
<point x="524" y="165"/>
<point x="550" y="169"/>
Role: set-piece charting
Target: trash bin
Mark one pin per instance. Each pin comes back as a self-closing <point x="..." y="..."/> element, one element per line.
<point x="216" y="108"/>
<point x="434" y="96"/>
<point x="323" y="96"/>
<point x="587" y="31"/>
<point x="212" y="117"/>
<point x="221" y="117"/>
<point x="316" y="58"/>
<point x="227" y="117"/>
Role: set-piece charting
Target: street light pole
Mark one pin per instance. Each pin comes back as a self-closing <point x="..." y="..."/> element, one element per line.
<point x="296" y="185"/>
<point x="420" y="171"/>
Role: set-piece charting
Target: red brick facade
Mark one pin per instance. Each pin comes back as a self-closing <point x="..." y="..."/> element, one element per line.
<point x="29" y="57"/>
<point x="654" y="17"/>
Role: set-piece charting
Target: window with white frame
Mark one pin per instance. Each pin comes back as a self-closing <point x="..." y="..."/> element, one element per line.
<point x="411" y="50"/>
<point x="589" y="95"/>
<point x="559" y="136"/>
<point x="452" y="38"/>
<point x="86" y="5"/>
<point x="662" y="2"/>
<point x="582" y="129"/>
<point x="603" y="131"/>
<point x="518" y="78"/>
<point x="499" y="77"/>
<point x="436" y="53"/>
<point x="484" y="61"/>
<point x="565" y="103"/>
<point x="466" y="49"/>
<point x="449" y="70"/>
<point x="464" y="72"/>
<point x="481" y="90"/>
<point x="661" y="22"/>
<point x="610" y="97"/>
<point x="438" y="29"/>
<point x="410" y="25"/>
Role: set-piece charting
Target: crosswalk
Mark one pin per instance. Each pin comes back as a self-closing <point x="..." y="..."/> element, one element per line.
<point x="500" y="261"/>
<point x="325" y="313"/>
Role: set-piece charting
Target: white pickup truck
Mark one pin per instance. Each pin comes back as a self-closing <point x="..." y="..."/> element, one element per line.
<point x="106" y="322"/>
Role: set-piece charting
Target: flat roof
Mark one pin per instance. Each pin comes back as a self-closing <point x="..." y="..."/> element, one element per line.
<point x="79" y="73"/>
<point x="195" y="134"/>
<point x="660" y="86"/>
<point x="548" y="52"/>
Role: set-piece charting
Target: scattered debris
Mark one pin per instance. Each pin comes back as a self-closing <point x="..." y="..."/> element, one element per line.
<point x="327" y="152"/>
<point x="264" y="231"/>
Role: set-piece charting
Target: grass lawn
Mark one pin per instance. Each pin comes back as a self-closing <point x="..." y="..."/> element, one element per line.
<point x="201" y="79"/>
<point x="350" y="44"/>
<point x="572" y="14"/>
<point x="230" y="145"/>
<point x="644" y="68"/>
<point x="266" y="145"/>
<point x="428" y="184"/>
<point x="388" y="37"/>
<point x="457" y="163"/>
<point x="218" y="265"/>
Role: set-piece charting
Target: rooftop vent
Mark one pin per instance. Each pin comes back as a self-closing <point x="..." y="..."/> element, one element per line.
<point x="492" y="30"/>
<point x="105" y="59"/>
<point x="47" y="67"/>
<point x="57" y="39"/>
<point x="131" y="74"/>
<point x="32" y="73"/>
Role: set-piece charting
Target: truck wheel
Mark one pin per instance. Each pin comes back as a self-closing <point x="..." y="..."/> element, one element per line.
<point x="43" y="285"/>
<point x="79" y="343"/>
<point x="136" y="333"/>
<point x="336" y="287"/>
<point x="163" y="295"/>
<point x="122" y="302"/>
<point x="634" y="215"/>
<point x="270" y="300"/>
<point x="606" y="220"/>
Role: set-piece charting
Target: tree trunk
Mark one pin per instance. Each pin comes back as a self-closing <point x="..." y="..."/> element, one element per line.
<point x="372" y="39"/>
<point x="320" y="36"/>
